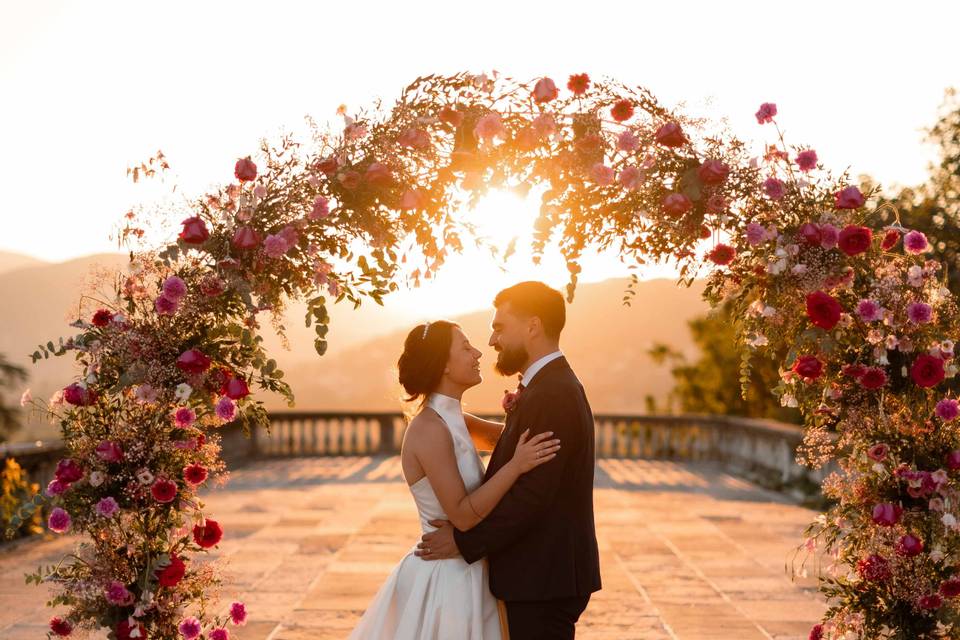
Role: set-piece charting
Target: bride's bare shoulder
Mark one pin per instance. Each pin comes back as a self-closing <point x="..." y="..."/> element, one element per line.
<point x="426" y="426"/>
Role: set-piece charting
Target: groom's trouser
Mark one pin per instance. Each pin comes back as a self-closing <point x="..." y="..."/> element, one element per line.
<point x="545" y="620"/>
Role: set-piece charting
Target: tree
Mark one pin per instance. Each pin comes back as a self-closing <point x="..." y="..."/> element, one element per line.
<point x="11" y="375"/>
<point x="708" y="385"/>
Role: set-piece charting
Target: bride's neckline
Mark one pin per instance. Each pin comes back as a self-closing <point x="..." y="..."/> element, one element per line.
<point x="439" y="402"/>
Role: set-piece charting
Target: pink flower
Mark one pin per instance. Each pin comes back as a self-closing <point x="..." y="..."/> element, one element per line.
<point x="909" y="546"/>
<point x="411" y="199"/>
<point x="226" y="409"/>
<point x="755" y="234"/>
<point x="194" y="231"/>
<point x="930" y="601"/>
<point x="118" y="594"/>
<point x="545" y="90"/>
<point x="766" y="112"/>
<point x="808" y="367"/>
<point x="915" y="242"/>
<point x="59" y="521"/>
<point x="79" y="395"/>
<point x="183" y="417"/>
<point x="601" y="174"/>
<point x="219" y="634"/>
<point x="165" y="306"/>
<point x="245" y="170"/>
<point x="774" y="188"/>
<point x="195" y="474"/>
<point x="68" y="471"/>
<point x="174" y="288"/>
<point x="873" y="378"/>
<point x="807" y="160"/>
<point x="631" y="177"/>
<point x="628" y="142"/>
<point x="848" y="198"/>
<point x="670" y="135"/>
<point x="245" y="238"/>
<point x="164" y="490"/>
<point x="238" y="613"/>
<point x="919" y="312"/>
<point x="829" y="236"/>
<point x="189" y="628"/>
<point x="106" y="507"/>
<point x="193" y="361"/>
<point x="676" y="204"/>
<point x="886" y="514"/>
<point x="414" y="138"/>
<point x="878" y="452"/>
<point x="713" y="172"/>
<point x="275" y="246"/>
<point x="236" y="388"/>
<point x="55" y="488"/>
<point x="953" y="460"/>
<point x="947" y="409"/>
<point x="145" y="393"/>
<point x="109" y="451"/>
<point x="722" y="254"/>
<point x="489" y="127"/>
<point x="321" y="208"/>
<point x="869" y="311"/>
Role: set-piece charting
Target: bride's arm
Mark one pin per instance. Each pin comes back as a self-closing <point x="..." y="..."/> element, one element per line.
<point x="433" y="448"/>
<point x="484" y="433"/>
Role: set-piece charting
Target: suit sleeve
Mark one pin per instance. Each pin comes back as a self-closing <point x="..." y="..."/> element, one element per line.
<point x="534" y="491"/>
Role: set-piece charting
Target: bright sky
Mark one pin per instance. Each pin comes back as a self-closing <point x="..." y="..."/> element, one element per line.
<point x="91" y="87"/>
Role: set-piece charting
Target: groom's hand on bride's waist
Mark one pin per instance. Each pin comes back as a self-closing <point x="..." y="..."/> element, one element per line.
<point x="439" y="544"/>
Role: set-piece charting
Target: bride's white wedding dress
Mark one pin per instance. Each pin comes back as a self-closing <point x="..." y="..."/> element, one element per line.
<point x="439" y="599"/>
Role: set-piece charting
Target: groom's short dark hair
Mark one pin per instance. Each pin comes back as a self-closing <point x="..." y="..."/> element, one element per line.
<point x="534" y="298"/>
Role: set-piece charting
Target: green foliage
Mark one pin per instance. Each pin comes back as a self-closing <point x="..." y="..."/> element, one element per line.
<point x="17" y="490"/>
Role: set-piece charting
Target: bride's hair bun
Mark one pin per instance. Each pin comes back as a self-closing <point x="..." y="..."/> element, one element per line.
<point x="425" y="354"/>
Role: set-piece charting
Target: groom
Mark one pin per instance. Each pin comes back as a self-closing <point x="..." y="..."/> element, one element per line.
<point x="540" y="539"/>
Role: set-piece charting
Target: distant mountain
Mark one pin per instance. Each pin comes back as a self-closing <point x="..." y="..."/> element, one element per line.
<point x="605" y="341"/>
<point x="10" y="261"/>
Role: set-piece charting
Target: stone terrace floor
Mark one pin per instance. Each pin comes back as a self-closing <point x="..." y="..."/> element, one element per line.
<point x="686" y="551"/>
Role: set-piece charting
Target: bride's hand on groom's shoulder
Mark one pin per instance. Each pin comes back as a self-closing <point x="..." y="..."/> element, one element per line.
<point x="533" y="452"/>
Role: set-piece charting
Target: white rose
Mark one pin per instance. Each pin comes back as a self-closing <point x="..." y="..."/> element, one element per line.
<point x="96" y="478"/>
<point x="183" y="391"/>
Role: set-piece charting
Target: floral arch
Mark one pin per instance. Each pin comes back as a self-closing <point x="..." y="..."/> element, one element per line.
<point x="859" y="321"/>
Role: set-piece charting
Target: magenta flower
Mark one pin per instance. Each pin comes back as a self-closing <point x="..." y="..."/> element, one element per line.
<point x="238" y="613"/>
<point x="774" y="188"/>
<point x="275" y="246"/>
<point x="766" y="112"/>
<point x="915" y="242"/>
<point x="118" y="594"/>
<point x="165" y="306"/>
<point x="601" y="174"/>
<point x="189" y="628"/>
<point x="219" y="634"/>
<point x="226" y="409"/>
<point x="321" y="208"/>
<point x="107" y="507"/>
<point x="829" y="236"/>
<point x="109" y="451"/>
<point x="55" y="488"/>
<point x="807" y="160"/>
<point x="919" y="312"/>
<point x="869" y="311"/>
<point x="59" y="521"/>
<point x="184" y="417"/>
<point x="174" y="288"/>
<point x="947" y="409"/>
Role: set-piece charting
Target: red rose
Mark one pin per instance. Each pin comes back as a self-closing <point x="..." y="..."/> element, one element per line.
<point x="451" y="116"/>
<point x="722" y="254"/>
<point x="622" y="110"/>
<point x="245" y="238"/>
<point x="245" y="170"/>
<point x="164" y="490"/>
<point x="953" y="460"/>
<point x="873" y="378"/>
<point x="808" y="367"/>
<point x="909" y="546"/>
<point x="60" y="626"/>
<point x="890" y="239"/>
<point x="927" y="371"/>
<point x="930" y="601"/>
<point x="124" y="630"/>
<point x="193" y="361"/>
<point x="816" y="633"/>
<point x="208" y="534"/>
<point x="853" y="370"/>
<point x="950" y="588"/>
<point x="849" y="198"/>
<point x="327" y="165"/>
<point x="670" y="135"/>
<point x="854" y="239"/>
<point x="886" y="514"/>
<point x="79" y="396"/>
<point x="810" y="233"/>
<point x="676" y="204"/>
<point x="874" y="568"/>
<point x="194" y="231"/>
<point x="545" y="90"/>
<point x="378" y="175"/>
<point x="713" y="172"/>
<point x="195" y="474"/>
<point x="823" y="310"/>
<point x="68" y="471"/>
<point x="173" y="573"/>
<point x="236" y="388"/>
<point x="102" y="318"/>
<point x="578" y="83"/>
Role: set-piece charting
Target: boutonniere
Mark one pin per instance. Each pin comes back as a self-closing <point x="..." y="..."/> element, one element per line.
<point x="509" y="401"/>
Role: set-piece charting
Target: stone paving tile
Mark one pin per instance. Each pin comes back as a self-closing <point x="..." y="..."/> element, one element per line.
<point x="687" y="552"/>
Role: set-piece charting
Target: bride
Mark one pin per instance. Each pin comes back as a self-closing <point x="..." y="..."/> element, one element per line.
<point x="446" y="598"/>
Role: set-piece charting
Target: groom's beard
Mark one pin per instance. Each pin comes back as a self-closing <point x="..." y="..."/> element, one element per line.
<point x="509" y="361"/>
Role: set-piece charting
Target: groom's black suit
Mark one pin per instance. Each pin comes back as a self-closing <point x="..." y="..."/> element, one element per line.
<point x="540" y="538"/>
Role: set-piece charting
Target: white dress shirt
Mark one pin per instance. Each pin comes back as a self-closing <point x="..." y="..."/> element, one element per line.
<point x="534" y="368"/>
